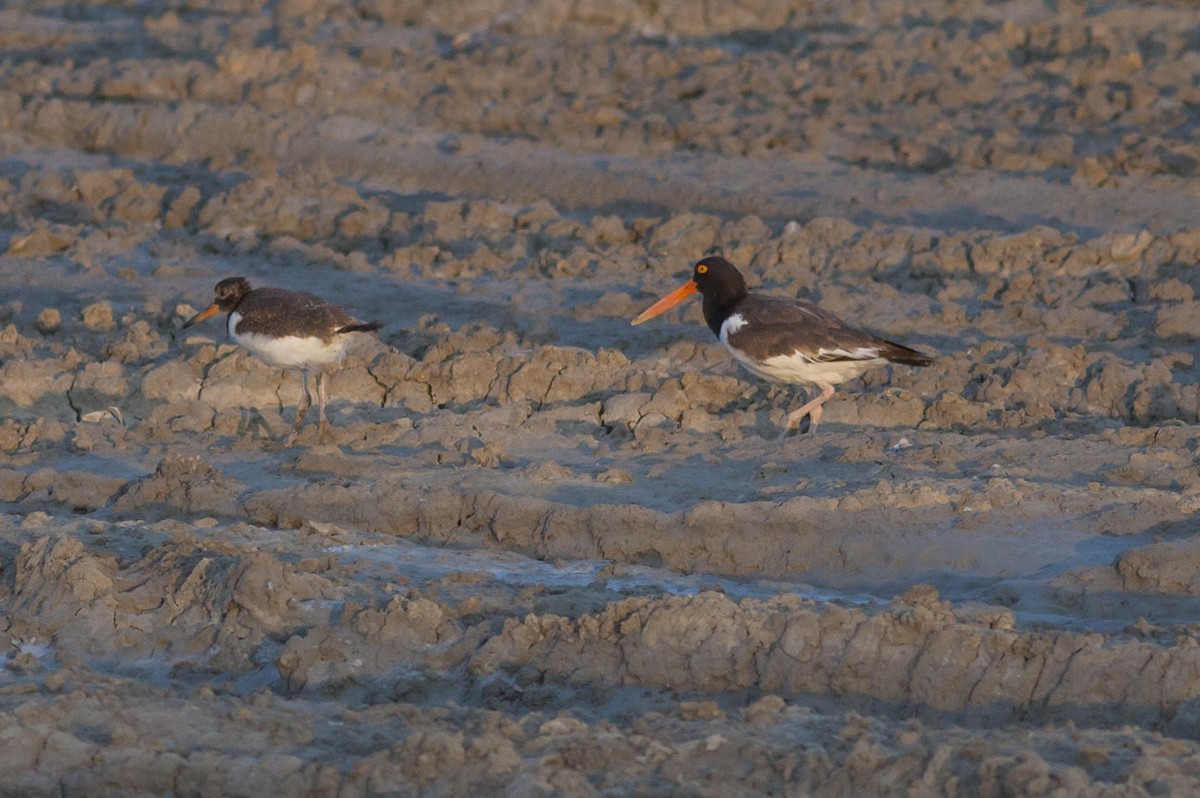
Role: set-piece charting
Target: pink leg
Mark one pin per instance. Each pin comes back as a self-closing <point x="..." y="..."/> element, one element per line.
<point x="811" y="409"/>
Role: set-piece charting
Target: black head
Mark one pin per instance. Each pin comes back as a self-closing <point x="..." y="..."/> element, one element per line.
<point x="719" y="279"/>
<point x="718" y="282"/>
<point x="722" y="286"/>
<point x="228" y="294"/>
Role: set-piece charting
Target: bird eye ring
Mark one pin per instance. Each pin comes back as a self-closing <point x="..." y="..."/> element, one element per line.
<point x="701" y="269"/>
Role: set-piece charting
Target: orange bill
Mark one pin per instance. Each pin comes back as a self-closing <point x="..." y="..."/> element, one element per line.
<point x="666" y="303"/>
<point x="202" y="315"/>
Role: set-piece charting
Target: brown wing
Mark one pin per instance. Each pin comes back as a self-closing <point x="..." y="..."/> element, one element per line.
<point x="279" y="312"/>
<point x="781" y="326"/>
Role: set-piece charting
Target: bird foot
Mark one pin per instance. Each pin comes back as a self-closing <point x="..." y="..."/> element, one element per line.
<point x="804" y="427"/>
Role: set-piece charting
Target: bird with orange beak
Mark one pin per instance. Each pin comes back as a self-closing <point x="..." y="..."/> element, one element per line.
<point x="291" y="330"/>
<point x="781" y="339"/>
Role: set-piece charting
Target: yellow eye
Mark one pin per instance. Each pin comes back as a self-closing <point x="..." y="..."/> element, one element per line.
<point x="701" y="269"/>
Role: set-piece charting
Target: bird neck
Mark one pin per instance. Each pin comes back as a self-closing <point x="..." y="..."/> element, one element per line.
<point x="718" y="308"/>
<point x="237" y="303"/>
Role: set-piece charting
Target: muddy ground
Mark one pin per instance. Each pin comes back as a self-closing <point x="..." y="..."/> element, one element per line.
<point x="551" y="554"/>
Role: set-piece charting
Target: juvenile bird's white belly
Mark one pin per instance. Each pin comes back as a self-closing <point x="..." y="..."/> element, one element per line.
<point x="288" y="352"/>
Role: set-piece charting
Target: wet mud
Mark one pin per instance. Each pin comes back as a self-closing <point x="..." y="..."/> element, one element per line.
<point x="550" y="553"/>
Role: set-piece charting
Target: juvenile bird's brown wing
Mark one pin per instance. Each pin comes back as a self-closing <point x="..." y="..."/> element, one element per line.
<point x="281" y="312"/>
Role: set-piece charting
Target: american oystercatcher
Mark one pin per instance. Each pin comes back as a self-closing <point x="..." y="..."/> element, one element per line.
<point x="291" y="330"/>
<point x="783" y="340"/>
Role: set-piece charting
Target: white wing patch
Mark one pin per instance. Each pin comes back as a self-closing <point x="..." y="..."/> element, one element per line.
<point x="798" y="369"/>
<point x="858" y="353"/>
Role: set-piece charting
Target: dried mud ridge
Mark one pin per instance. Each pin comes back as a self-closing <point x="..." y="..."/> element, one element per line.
<point x="550" y="554"/>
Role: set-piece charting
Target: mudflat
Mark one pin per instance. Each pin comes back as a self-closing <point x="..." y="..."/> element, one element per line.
<point x="550" y="553"/>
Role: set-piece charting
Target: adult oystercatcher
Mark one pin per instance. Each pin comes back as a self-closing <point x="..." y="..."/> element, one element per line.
<point x="291" y="330"/>
<point x="781" y="339"/>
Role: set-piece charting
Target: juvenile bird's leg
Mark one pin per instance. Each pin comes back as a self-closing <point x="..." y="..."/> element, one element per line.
<point x="301" y="409"/>
<point x="324" y="430"/>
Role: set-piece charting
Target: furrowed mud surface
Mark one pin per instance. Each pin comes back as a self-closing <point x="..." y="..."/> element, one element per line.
<point x="549" y="553"/>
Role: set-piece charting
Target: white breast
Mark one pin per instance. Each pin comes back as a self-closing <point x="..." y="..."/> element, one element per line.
<point x="735" y="322"/>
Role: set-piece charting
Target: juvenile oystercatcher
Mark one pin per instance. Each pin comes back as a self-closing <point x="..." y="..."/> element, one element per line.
<point x="783" y="340"/>
<point x="291" y="330"/>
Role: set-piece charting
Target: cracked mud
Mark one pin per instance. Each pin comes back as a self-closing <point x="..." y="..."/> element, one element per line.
<point x="551" y="554"/>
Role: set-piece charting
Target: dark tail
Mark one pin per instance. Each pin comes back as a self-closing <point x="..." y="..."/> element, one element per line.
<point x="369" y="326"/>
<point x="898" y="353"/>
